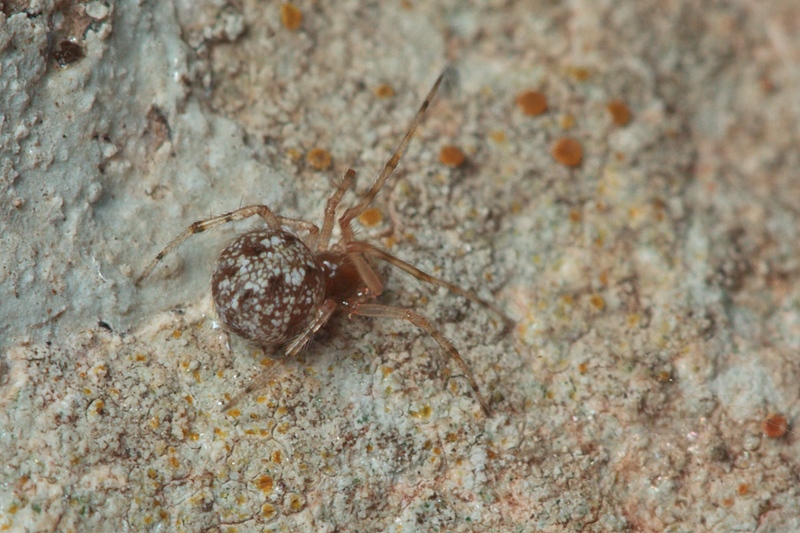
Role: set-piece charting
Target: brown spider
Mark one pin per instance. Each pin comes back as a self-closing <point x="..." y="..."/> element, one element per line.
<point x="274" y="289"/>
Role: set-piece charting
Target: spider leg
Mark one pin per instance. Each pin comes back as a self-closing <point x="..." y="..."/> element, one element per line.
<point x="261" y="380"/>
<point x="330" y="210"/>
<point x="273" y="221"/>
<point x="391" y="164"/>
<point x="361" y="247"/>
<point x="377" y="310"/>
<point x="323" y="315"/>
<point x="370" y="278"/>
<point x="290" y="350"/>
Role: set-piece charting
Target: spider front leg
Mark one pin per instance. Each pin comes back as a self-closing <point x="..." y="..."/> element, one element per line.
<point x="330" y="210"/>
<point x="390" y="166"/>
<point x="273" y="221"/>
<point x="377" y="310"/>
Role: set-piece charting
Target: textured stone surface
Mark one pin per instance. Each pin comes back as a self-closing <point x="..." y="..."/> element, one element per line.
<point x="655" y="285"/>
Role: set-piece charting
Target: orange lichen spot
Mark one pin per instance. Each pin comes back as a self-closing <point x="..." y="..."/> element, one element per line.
<point x="369" y="448"/>
<point x="176" y="334"/>
<point x="389" y="242"/>
<point x="189" y="399"/>
<point x="727" y="502"/>
<point x="265" y="484"/>
<point x="371" y="217"/>
<point x="154" y="422"/>
<point x="281" y="411"/>
<point x="87" y="391"/>
<point x="219" y="433"/>
<point x="583" y="367"/>
<point x="451" y="437"/>
<point x="620" y="113"/>
<point x="532" y="103"/>
<point x="282" y="428"/>
<point x="567" y="299"/>
<point x="194" y="436"/>
<point x="574" y="216"/>
<point x="497" y="136"/>
<point x="598" y="302"/>
<point x="294" y="154"/>
<point x="451" y="156"/>
<point x="319" y="158"/>
<point x="424" y="412"/>
<point x="261" y="399"/>
<point x="742" y="489"/>
<point x="295" y="503"/>
<point x="235" y="413"/>
<point x="277" y="457"/>
<point x="568" y="152"/>
<point x="407" y="5"/>
<point x="633" y="319"/>
<point x="386" y="370"/>
<point x="384" y="91"/>
<point x="12" y="509"/>
<point x="140" y="357"/>
<point x="664" y="376"/>
<point x="291" y="17"/>
<point x="151" y="473"/>
<point x="267" y="510"/>
<point x="775" y="426"/>
<point x="173" y="462"/>
<point x="603" y="278"/>
<point x="579" y="73"/>
<point x="436" y="450"/>
<point x="635" y="212"/>
<point x="567" y="121"/>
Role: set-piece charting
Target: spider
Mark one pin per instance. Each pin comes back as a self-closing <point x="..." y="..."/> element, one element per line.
<point x="274" y="289"/>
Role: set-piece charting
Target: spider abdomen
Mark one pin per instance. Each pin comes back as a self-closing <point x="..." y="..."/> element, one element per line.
<point x="267" y="286"/>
